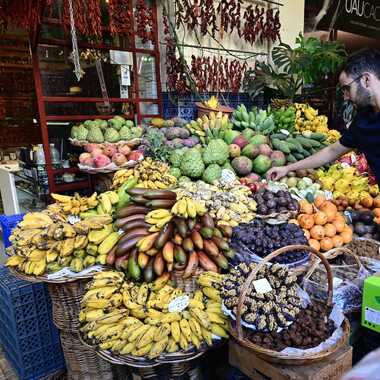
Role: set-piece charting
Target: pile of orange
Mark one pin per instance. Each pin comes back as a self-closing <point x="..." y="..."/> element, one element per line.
<point x="323" y="225"/>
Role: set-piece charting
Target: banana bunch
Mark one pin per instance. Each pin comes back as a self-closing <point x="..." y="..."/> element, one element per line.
<point x="153" y="241"/>
<point x="188" y="208"/>
<point x="229" y="204"/>
<point x="36" y="251"/>
<point x="307" y="119"/>
<point x="148" y="320"/>
<point x="75" y="204"/>
<point x="212" y="103"/>
<point x="121" y="176"/>
<point x="158" y="218"/>
<point x="209" y="124"/>
<point x="149" y="173"/>
<point x="85" y="206"/>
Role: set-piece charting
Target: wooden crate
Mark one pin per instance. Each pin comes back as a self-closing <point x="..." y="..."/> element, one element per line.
<point x="258" y="369"/>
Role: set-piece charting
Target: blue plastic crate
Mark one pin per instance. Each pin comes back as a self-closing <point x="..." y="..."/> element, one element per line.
<point x="27" y="334"/>
<point x="7" y="224"/>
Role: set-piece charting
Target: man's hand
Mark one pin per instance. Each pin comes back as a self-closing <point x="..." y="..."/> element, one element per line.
<point x="276" y="173"/>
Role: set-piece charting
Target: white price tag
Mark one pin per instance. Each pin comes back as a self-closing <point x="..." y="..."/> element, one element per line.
<point x="348" y="216"/>
<point x="372" y="315"/>
<point x="118" y="57"/>
<point x="337" y="315"/>
<point x="228" y="176"/>
<point x="72" y="219"/>
<point x="178" y="304"/>
<point x="125" y="75"/>
<point x="124" y="93"/>
<point x="336" y="282"/>
<point x="328" y="195"/>
<point x="262" y="285"/>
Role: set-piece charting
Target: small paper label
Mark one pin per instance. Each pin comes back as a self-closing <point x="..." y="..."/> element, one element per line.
<point x="337" y="315"/>
<point x="228" y="176"/>
<point x="124" y="93"/>
<point x="118" y="57"/>
<point x="328" y="195"/>
<point x="348" y="216"/>
<point x="125" y="75"/>
<point x="120" y="232"/>
<point x="262" y="285"/>
<point x="72" y="219"/>
<point x="178" y="304"/>
<point x="372" y="315"/>
<point x="336" y="282"/>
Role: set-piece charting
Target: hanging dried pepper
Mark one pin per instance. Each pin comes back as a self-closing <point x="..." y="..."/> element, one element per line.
<point x="80" y="18"/>
<point x="121" y="17"/>
<point x="176" y="78"/>
<point x="25" y="14"/>
<point x="208" y="17"/>
<point x="144" y="21"/>
<point x="94" y="18"/>
<point x="229" y="12"/>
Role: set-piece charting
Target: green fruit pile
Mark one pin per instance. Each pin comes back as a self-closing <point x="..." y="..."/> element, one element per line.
<point x="285" y="118"/>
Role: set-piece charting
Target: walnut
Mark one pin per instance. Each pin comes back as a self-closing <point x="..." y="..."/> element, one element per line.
<point x="251" y="317"/>
<point x="267" y="308"/>
<point x="260" y="296"/>
<point x="281" y="320"/>
<point x="272" y="324"/>
<point x="290" y="280"/>
<point x="261" y="323"/>
<point x="275" y="268"/>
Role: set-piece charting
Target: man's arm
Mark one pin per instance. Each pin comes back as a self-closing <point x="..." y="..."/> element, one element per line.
<point x="324" y="156"/>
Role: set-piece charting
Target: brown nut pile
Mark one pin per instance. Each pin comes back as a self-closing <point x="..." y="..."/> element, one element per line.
<point x="311" y="328"/>
<point x="266" y="311"/>
<point x="364" y="248"/>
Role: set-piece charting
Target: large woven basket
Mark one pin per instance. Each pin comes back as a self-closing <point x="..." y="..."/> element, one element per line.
<point x="275" y="356"/>
<point x="66" y="300"/>
<point x="81" y="362"/>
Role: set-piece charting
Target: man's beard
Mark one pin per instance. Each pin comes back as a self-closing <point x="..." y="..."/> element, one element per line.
<point x="363" y="98"/>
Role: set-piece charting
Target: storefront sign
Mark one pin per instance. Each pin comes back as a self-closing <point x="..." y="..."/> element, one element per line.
<point x="354" y="16"/>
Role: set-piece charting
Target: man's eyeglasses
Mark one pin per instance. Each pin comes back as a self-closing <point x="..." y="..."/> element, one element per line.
<point x="347" y="87"/>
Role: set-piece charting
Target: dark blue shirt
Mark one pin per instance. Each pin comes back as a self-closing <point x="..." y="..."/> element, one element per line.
<point x="364" y="135"/>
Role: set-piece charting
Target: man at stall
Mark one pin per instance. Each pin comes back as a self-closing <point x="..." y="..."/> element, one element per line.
<point x="360" y="84"/>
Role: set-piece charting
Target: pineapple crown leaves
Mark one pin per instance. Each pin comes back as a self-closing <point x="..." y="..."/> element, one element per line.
<point x="156" y="147"/>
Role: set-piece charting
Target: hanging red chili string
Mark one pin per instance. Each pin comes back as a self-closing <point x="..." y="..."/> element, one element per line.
<point x="94" y="18"/>
<point x="79" y="16"/>
<point x="121" y="17"/>
<point x="25" y="14"/>
<point x="144" y="21"/>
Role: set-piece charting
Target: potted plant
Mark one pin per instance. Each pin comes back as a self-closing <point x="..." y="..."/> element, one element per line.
<point x="295" y="68"/>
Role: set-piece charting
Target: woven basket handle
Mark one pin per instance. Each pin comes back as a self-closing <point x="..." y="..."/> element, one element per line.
<point x="331" y="254"/>
<point x="248" y="281"/>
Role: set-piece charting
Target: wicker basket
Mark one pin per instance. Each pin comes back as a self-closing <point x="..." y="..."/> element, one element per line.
<point x="81" y="362"/>
<point x="350" y="277"/>
<point x="279" y="357"/>
<point x="370" y="263"/>
<point x="202" y="110"/>
<point x="66" y="299"/>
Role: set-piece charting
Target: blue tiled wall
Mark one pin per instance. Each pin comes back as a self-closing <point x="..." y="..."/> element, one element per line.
<point x="184" y="105"/>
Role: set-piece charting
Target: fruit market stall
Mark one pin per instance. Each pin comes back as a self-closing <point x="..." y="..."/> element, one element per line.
<point x="154" y="272"/>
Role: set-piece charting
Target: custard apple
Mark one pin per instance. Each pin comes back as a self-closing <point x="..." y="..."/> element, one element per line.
<point x="216" y="152"/>
<point x="125" y="133"/>
<point x="82" y="132"/>
<point x="175" y="157"/>
<point x="95" y="135"/>
<point x="111" y="135"/>
<point x="192" y="164"/>
<point x="212" y="173"/>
